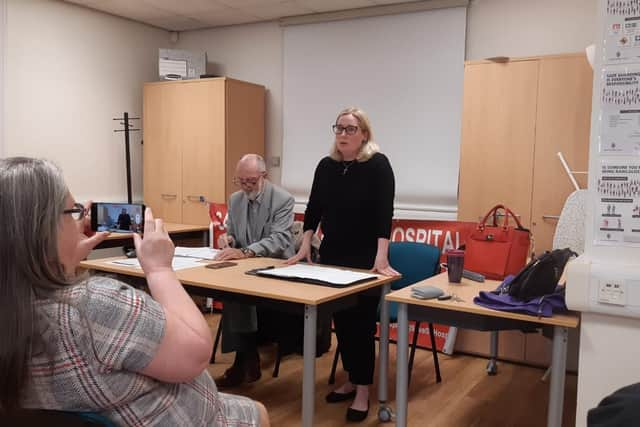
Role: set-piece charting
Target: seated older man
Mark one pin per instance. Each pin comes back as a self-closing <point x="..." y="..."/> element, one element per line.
<point x="259" y="222"/>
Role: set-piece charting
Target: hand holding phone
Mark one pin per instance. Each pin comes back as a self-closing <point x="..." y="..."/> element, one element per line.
<point x="154" y="251"/>
<point x="90" y="239"/>
<point x="117" y="217"/>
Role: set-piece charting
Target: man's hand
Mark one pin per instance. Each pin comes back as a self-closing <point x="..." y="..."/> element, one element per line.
<point x="226" y="241"/>
<point x="229" y="254"/>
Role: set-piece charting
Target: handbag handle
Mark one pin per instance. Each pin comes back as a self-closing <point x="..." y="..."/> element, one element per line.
<point x="494" y="211"/>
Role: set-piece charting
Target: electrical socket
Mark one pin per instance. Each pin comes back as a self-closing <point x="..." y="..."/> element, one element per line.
<point x="612" y="292"/>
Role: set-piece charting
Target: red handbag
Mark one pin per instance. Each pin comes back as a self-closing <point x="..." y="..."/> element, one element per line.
<point x="497" y="250"/>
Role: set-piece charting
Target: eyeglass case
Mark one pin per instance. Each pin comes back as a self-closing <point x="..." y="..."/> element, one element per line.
<point x="426" y="292"/>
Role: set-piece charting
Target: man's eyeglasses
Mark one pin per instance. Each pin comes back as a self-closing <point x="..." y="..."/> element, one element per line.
<point x="246" y="181"/>
<point x="350" y="129"/>
<point x="77" y="212"/>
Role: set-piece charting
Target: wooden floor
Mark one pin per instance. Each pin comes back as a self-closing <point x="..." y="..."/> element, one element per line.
<point x="467" y="396"/>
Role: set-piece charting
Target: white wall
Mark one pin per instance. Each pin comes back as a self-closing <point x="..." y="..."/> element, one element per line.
<point x="495" y="27"/>
<point x="253" y="53"/>
<point x="529" y="28"/>
<point x="69" y="71"/>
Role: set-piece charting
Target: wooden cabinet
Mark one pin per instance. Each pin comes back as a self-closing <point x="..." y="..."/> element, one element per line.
<point x="498" y="135"/>
<point x="516" y="117"/>
<point x="195" y="131"/>
<point x="563" y="124"/>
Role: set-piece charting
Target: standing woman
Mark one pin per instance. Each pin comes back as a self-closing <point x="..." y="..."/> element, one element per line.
<point x="352" y="197"/>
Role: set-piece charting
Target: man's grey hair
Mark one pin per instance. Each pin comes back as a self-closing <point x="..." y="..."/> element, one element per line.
<point x="257" y="160"/>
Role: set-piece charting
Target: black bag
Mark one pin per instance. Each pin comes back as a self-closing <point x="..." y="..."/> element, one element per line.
<point x="540" y="277"/>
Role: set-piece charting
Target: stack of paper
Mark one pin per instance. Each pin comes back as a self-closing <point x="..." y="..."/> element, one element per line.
<point x="316" y="274"/>
<point x="178" y="263"/>
<point x="204" y="252"/>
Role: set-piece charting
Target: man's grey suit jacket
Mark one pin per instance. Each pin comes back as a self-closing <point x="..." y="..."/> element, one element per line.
<point x="275" y="219"/>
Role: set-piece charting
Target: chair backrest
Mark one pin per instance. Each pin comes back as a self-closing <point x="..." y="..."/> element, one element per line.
<point x="415" y="261"/>
<point x="570" y="229"/>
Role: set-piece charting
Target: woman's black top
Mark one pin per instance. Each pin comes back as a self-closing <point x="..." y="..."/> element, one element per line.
<point x="353" y="201"/>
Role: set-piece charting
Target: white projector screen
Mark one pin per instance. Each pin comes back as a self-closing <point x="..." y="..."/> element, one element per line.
<point x="406" y="72"/>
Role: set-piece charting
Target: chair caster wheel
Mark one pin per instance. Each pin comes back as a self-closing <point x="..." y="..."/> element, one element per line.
<point x="492" y="367"/>
<point x="385" y="414"/>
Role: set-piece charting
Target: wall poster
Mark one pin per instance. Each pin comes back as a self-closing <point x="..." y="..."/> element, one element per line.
<point x="620" y="110"/>
<point x="618" y="203"/>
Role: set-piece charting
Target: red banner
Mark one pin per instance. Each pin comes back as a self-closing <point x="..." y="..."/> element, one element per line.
<point x="440" y="333"/>
<point x="443" y="234"/>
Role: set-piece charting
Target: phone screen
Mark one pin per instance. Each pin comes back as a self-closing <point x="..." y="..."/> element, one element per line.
<point x="117" y="217"/>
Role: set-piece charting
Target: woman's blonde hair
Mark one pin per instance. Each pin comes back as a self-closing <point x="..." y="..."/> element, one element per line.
<point x="368" y="147"/>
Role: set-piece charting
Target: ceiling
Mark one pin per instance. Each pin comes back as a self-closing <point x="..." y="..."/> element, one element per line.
<point x="183" y="15"/>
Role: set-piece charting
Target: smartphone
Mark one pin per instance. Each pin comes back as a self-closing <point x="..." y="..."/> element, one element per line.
<point x="117" y="217"/>
<point x="222" y="264"/>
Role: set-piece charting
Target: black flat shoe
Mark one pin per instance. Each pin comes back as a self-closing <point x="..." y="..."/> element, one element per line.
<point x="356" y="416"/>
<point x="334" y="397"/>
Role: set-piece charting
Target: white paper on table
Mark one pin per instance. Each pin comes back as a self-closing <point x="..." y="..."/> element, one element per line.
<point x="178" y="263"/>
<point x="329" y="275"/>
<point x="203" y="252"/>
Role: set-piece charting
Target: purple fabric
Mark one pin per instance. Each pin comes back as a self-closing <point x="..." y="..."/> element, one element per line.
<point x="543" y="306"/>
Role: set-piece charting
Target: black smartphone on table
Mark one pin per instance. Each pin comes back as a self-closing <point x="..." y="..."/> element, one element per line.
<point x="117" y="217"/>
<point x="221" y="264"/>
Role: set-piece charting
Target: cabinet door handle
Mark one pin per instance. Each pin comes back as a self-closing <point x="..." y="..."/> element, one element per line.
<point x="550" y="216"/>
<point x="168" y="196"/>
<point x="195" y="198"/>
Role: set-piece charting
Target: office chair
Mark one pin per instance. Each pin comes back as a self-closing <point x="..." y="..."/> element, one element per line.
<point x="416" y="262"/>
<point x="570" y="228"/>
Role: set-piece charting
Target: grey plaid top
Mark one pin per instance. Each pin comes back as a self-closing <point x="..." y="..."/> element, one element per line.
<point x="93" y="350"/>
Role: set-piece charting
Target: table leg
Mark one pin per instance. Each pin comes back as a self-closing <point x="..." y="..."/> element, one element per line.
<point x="309" y="364"/>
<point x="492" y="365"/>
<point x="384" y="345"/>
<point x="558" y="368"/>
<point x="402" y="370"/>
<point x="384" y="412"/>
